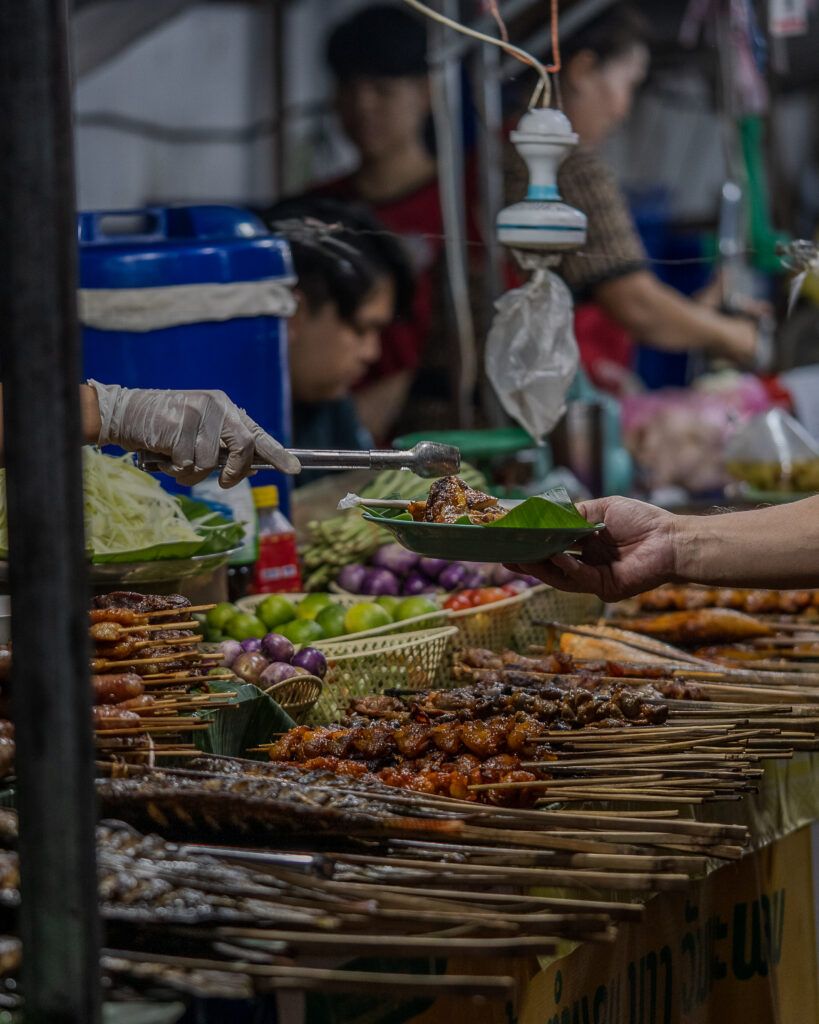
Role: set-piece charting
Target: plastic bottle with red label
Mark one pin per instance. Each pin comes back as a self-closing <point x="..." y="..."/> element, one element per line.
<point x="277" y="568"/>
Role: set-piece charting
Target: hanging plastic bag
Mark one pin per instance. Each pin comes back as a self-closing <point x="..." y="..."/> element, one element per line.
<point x="774" y="452"/>
<point x="531" y="353"/>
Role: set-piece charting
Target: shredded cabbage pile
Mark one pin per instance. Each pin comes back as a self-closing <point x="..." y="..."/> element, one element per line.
<point x="126" y="510"/>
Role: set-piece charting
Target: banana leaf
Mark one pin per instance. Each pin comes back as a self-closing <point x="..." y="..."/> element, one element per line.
<point x="253" y="718"/>
<point x="174" y="550"/>
<point x="540" y="513"/>
<point x="219" y="532"/>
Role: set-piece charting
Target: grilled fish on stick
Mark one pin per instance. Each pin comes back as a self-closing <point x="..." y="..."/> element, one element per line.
<point x="701" y="626"/>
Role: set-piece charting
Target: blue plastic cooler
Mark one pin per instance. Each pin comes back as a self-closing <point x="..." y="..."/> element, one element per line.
<point x="192" y="245"/>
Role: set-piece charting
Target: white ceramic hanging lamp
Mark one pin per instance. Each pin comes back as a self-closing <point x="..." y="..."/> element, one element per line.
<point x="542" y="222"/>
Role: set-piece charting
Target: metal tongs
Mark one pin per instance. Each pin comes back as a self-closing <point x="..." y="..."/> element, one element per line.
<point x="426" y="459"/>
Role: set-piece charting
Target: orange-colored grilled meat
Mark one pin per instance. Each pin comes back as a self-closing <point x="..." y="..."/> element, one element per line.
<point x="701" y="626"/>
<point x="450" y="499"/>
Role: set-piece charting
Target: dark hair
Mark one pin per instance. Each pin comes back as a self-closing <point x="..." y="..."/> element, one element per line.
<point x="340" y="251"/>
<point x="381" y="41"/>
<point x="609" y="35"/>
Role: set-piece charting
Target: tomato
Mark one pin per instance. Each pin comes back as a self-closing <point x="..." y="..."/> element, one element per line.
<point x="488" y="595"/>
<point x="458" y="602"/>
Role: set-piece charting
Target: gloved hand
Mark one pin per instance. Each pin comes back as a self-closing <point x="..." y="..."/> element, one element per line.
<point x="191" y="428"/>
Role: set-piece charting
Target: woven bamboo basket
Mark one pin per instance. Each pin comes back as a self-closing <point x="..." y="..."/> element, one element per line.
<point x="296" y="696"/>
<point x="549" y="605"/>
<point x="360" y="667"/>
<point x="491" y="626"/>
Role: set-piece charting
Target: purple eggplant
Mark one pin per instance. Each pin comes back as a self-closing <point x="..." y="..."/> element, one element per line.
<point x="352" y="577"/>
<point x="251" y="644"/>
<point x="312" y="661"/>
<point x="452" y="577"/>
<point x="473" y="580"/>
<point x="395" y="558"/>
<point x="277" y="647"/>
<point x="231" y="649"/>
<point x="249" y="666"/>
<point x="277" y="673"/>
<point x="433" y="567"/>
<point x="415" y="583"/>
<point x="380" y="582"/>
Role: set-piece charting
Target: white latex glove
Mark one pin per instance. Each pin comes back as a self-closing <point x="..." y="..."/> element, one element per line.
<point x="191" y="428"/>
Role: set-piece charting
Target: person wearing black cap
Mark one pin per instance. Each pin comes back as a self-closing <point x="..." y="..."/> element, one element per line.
<point x="378" y="59"/>
<point x="354" y="280"/>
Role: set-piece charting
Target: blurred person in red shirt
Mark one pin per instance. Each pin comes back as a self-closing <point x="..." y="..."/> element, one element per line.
<point x="378" y="59"/>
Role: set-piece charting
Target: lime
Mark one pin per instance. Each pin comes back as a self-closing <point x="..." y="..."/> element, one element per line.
<point x="366" y="615"/>
<point x="302" y="631"/>
<point x="218" y="617"/>
<point x="245" y="627"/>
<point x="411" y="607"/>
<point x="390" y="603"/>
<point x="310" y="606"/>
<point x="275" y="610"/>
<point x="331" y="620"/>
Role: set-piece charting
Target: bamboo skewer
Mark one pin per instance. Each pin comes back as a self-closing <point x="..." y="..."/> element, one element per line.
<point x="157" y="627"/>
<point x="311" y="978"/>
<point x="142" y="645"/>
<point x="126" y="663"/>
<point x="627" y="881"/>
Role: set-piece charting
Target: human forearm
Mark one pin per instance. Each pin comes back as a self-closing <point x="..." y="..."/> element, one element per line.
<point x="773" y="547"/>
<point x="90" y="413"/>
<point x="89" y="410"/>
<point x="663" y="317"/>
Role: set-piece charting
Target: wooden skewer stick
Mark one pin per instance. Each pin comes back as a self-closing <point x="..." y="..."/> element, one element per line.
<point x="157" y="627"/>
<point x="125" y="663"/>
<point x="186" y="641"/>
<point x="145" y="727"/>
<point x="311" y="978"/>
<point x="185" y="678"/>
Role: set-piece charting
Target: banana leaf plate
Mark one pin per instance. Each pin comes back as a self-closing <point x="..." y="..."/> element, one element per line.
<point x="136" y="573"/>
<point x="532" y="531"/>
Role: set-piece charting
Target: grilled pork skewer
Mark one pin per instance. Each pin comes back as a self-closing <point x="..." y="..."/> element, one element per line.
<point x="109" y="631"/>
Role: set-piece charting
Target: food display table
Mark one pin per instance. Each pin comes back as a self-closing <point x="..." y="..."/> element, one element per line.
<point x="738" y="945"/>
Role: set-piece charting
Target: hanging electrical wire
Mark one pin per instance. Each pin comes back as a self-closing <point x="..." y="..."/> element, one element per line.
<point x="494" y="10"/>
<point x="544" y="88"/>
<point x="554" y="67"/>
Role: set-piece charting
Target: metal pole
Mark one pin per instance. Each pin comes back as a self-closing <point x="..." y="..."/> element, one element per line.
<point x="445" y="91"/>
<point x="39" y="350"/>
<point x="487" y="91"/>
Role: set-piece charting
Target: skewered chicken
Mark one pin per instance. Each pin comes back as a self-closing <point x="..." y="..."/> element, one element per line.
<point x="552" y="674"/>
<point x="450" y="499"/>
<point x="681" y="598"/>
<point x="141" y="603"/>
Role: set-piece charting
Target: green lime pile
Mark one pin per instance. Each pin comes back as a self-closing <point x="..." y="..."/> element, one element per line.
<point x="312" y="618"/>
